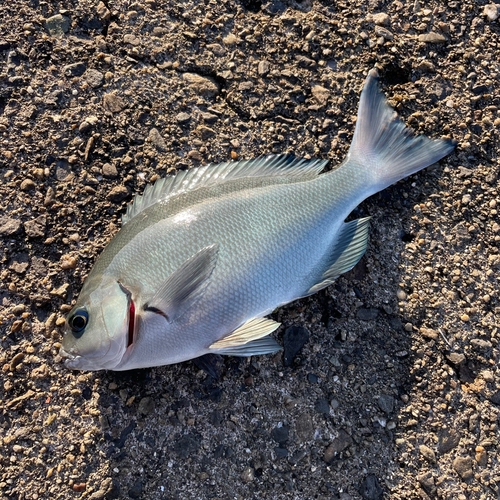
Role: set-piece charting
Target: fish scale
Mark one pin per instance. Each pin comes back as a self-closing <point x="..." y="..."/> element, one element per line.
<point x="202" y="257"/>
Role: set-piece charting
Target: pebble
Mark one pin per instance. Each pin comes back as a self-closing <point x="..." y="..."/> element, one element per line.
<point x="370" y="488"/>
<point x="201" y="85"/>
<point x="157" y="140"/>
<point x="183" y="118"/>
<point x="426" y="480"/>
<point x="109" y="170"/>
<point x="447" y="440"/>
<point x="382" y="19"/>
<point x="68" y="262"/>
<point x="321" y="94"/>
<point x="75" y="69"/>
<point x="491" y="11"/>
<point x="136" y="490"/>
<point x="94" y="78"/>
<point x="205" y="133"/>
<point x="463" y="466"/>
<point x="118" y="194"/>
<point x="9" y="226"/>
<point x="384" y="32"/>
<point x="146" y="406"/>
<point x="231" y="40"/>
<point x="367" y="314"/>
<point x="113" y="103"/>
<point x="386" y="403"/>
<point x="431" y="37"/>
<point x="263" y="68"/>
<point x="401" y="294"/>
<point x="338" y="445"/>
<point x="27" y="185"/>
<point x="294" y="339"/>
<point x="36" y="228"/>
<point x="247" y="476"/>
<point x="280" y="434"/>
<point x="103" y="12"/>
<point x="57" y="25"/>
<point x="427" y="453"/>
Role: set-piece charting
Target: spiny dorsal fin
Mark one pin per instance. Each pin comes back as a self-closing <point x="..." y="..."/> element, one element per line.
<point x="349" y="248"/>
<point x="253" y="329"/>
<point x="213" y="174"/>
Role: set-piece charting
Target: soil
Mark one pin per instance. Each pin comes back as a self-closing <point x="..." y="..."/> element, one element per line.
<point x="389" y="383"/>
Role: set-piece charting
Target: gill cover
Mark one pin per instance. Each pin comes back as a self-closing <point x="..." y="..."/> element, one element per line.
<point x="97" y="328"/>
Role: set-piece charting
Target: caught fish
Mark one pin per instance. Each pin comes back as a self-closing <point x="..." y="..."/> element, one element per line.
<point x="203" y="256"/>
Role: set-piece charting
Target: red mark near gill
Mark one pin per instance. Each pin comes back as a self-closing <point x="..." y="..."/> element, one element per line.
<point x="131" y="323"/>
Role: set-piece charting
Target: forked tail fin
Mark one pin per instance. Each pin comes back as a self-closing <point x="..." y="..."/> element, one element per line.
<point x="382" y="143"/>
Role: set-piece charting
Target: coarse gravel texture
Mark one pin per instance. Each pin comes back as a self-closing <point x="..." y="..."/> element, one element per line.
<point x="389" y="383"/>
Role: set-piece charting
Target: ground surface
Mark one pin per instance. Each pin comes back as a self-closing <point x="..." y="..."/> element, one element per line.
<point x="395" y="393"/>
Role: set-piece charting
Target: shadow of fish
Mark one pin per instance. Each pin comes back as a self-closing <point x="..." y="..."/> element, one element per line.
<point x="205" y="255"/>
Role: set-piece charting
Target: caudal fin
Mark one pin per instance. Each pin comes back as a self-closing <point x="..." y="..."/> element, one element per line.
<point x="384" y="145"/>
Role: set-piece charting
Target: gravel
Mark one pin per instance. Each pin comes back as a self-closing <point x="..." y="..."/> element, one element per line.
<point x="388" y="385"/>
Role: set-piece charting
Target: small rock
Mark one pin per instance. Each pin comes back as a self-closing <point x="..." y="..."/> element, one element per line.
<point x="103" y="12"/>
<point x="183" y="118"/>
<point x="491" y="11"/>
<point x="75" y="69"/>
<point x="382" y="19"/>
<point x="209" y="117"/>
<point x="294" y="339"/>
<point x="187" y="444"/>
<point x="195" y="155"/>
<point x="94" y="78"/>
<point x="132" y="40"/>
<point x="136" y="490"/>
<point x="427" y="453"/>
<point x="322" y="406"/>
<point x="280" y="434"/>
<point x="370" y="488"/>
<point x="205" y="133"/>
<point x="463" y="466"/>
<point x="201" y="85"/>
<point x="9" y="226"/>
<point x="68" y="262"/>
<point x="339" y="444"/>
<point x="231" y="40"/>
<point x="426" y="480"/>
<point x="321" y="94"/>
<point x="426" y="67"/>
<point x="304" y="427"/>
<point x="481" y="344"/>
<point x="157" y="140"/>
<point x="248" y="475"/>
<point x="367" y="314"/>
<point x="456" y="358"/>
<point x="36" y="228"/>
<point x="263" y="68"/>
<point x="57" y="25"/>
<point x="146" y="406"/>
<point x="109" y="171"/>
<point x="117" y="194"/>
<point x="384" y="32"/>
<point x="386" y="403"/>
<point x="113" y="103"/>
<point x="431" y="38"/>
<point x="447" y="440"/>
<point x="27" y="185"/>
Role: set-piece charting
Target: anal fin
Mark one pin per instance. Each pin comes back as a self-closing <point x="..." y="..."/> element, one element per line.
<point x="349" y="248"/>
<point x="248" y="339"/>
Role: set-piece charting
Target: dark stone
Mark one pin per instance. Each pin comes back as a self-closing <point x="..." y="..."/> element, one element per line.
<point x="386" y="403"/>
<point x="480" y="89"/>
<point x="75" y="69"/>
<point x="338" y="445"/>
<point x="367" y="314"/>
<point x="187" y="444"/>
<point x="447" y="440"/>
<point x="136" y="490"/>
<point x="280" y="434"/>
<point x="313" y="379"/>
<point x="124" y="434"/>
<point x="322" y="405"/>
<point x="281" y="453"/>
<point x="294" y="339"/>
<point x="426" y="480"/>
<point x="87" y="393"/>
<point x="495" y="398"/>
<point x="370" y="488"/>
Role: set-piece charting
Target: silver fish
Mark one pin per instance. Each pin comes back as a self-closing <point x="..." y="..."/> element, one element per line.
<point x="205" y="255"/>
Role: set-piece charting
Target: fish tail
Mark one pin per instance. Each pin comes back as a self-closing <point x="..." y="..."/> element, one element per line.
<point x="382" y="144"/>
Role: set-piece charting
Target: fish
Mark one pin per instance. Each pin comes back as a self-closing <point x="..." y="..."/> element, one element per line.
<point x="205" y="255"/>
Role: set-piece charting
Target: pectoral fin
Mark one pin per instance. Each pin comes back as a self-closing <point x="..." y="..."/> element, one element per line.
<point x="349" y="248"/>
<point x="185" y="287"/>
<point x="248" y="339"/>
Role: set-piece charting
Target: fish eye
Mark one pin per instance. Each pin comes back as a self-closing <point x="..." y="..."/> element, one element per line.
<point x="78" y="321"/>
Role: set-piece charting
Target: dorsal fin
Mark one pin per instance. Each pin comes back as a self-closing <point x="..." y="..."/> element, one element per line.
<point x="213" y="174"/>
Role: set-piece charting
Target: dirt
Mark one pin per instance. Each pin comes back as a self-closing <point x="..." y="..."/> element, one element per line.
<point x="389" y="385"/>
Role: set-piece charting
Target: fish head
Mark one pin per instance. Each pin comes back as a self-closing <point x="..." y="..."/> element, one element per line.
<point x="97" y="328"/>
